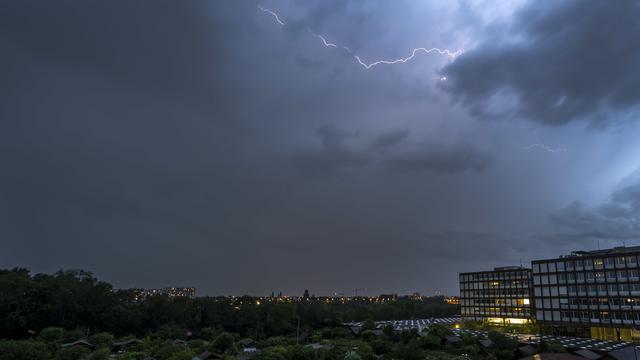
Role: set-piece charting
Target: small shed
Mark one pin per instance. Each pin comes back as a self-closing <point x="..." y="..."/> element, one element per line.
<point x="79" y="343"/>
<point x="626" y="353"/>
<point x="527" y="350"/>
<point x="486" y="343"/>
<point x="318" y="346"/>
<point x="452" y="340"/>
<point x="126" y="344"/>
<point x="588" y="354"/>
<point x="553" y="356"/>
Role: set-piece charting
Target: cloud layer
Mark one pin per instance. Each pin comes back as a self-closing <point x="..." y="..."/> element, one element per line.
<point x="554" y="64"/>
<point x="616" y="219"/>
<point x="200" y="143"/>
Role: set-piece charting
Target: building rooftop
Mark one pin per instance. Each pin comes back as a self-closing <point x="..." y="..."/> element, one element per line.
<point x="400" y="325"/>
<point x="553" y="356"/>
<point x="615" y="250"/>
<point x="506" y="268"/>
<point x="611" y="251"/>
<point x="568" y="342"/>
<point x="499" y="269"/>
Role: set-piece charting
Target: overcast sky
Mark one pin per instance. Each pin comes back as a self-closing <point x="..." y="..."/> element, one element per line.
<point x="203" y="143"/>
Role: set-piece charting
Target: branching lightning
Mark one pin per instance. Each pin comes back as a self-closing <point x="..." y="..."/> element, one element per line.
<point x="404" y="60"/>
<point x="368" y="66"/>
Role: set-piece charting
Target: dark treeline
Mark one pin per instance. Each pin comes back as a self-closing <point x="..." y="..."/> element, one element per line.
<point x="77" y="300"/>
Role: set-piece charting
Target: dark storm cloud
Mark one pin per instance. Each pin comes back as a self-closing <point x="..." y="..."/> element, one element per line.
<point x="308" y="63"/>
<point x="316" y="15"/>
<point x="110" y="113"/>
<point x="165" y="143"/>
<point x="617" y="219"/>
<point x="134" y="43"/>
<point x="334" y="154"/>
<point x="455" y="246"/>
<point x="338" y="151"/>
<point x="561" y="62"/>
<point x="389" y="138"/>
<point x="443" y="159"/>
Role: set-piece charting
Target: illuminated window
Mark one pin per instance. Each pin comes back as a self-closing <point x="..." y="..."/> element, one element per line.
<point x="598" y="263"/>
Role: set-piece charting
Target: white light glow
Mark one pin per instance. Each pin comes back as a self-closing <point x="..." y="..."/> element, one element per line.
<point x="544" y="147"/>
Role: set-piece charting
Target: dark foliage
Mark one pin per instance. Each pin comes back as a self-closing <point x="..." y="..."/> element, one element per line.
<point x="77" y="300"/>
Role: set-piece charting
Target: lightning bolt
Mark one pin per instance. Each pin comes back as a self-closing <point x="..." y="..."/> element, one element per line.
<point x="365" y="65"/>
<point x="323" y="39"/>
<point x="325" y="42"/>
<point x="408" y="58"/>
<point x="544" y="147"/>
<point x="272" y="13"/>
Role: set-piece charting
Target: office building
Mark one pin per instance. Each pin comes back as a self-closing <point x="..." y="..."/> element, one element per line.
<point x="589" y="293"/>
<point x="501" y="296"/>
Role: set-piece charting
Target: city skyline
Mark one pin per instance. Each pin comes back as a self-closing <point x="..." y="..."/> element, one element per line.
<point x="258" y="146"/>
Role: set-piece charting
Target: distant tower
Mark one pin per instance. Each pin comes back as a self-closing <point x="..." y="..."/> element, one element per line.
<point x="306" y="294"/>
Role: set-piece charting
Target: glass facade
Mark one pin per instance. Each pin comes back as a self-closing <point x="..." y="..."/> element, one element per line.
<point x="501" y="296"/>
<point x="589" y="292"/>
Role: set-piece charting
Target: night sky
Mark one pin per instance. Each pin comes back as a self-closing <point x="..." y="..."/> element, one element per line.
<point x="202" y="143"/>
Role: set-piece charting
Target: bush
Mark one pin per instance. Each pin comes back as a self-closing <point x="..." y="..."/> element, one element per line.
<point x="74" y="353"/>
<point x="368" y="325"/>
<point x="185" y="354"/>
<point x="298" y="352"/>
<point x="23" y="350"/>
<point x="101" y="354"/>
<point x="52" y="334"/>
<point x="209" y="333"/>
<point x="368" y="335"/>
<point x="273" y="353"/>
<point x="381" y="346"/>
<point x="336" y="332"/>
<point x="439" y="330"/>
<point x="502" y="341"/>
<point x="352" y="355"/>
<point x="223" y="342"/>
<point x="102" y="339"/>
